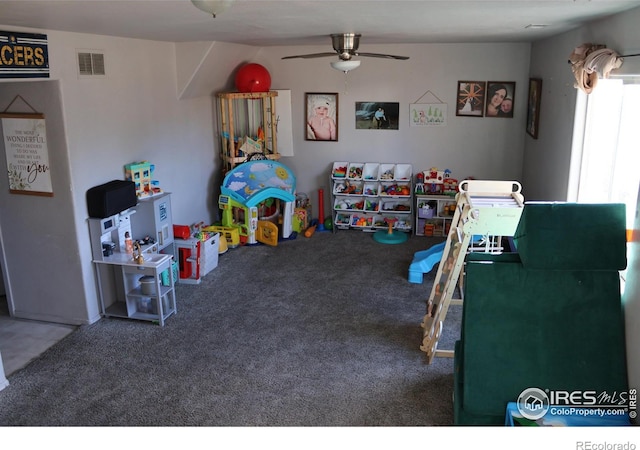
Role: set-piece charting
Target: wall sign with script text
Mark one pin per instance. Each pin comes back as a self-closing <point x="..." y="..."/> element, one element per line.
<point x="23" y="55"/>
<point x="25" y="145"/>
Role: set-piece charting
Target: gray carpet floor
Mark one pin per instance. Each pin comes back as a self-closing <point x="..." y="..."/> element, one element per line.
<point x="320" y="331"/>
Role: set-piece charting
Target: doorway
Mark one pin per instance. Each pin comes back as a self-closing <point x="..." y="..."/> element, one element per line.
<point x="44" y="295"/>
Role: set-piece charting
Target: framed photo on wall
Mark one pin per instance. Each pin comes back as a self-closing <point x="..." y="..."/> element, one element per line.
<point x="321" y="111"/>
<point x="533" y="108"/>
<point x="500" y="99"/>
<point x="377" y="115"/>
<point x="470" y="98"/>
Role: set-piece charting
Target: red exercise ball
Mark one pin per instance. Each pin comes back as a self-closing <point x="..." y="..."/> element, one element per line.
<point x="253" y="78"/>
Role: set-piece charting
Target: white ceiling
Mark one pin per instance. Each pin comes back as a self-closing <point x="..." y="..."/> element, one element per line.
<point x="297" y="22"/>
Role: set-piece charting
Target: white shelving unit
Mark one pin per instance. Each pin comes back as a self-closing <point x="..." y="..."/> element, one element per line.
<point x="436" y="210"/>
<point x="119" y="276"/>
<point x="363" y="195"/>
<point x="131" y="302"/>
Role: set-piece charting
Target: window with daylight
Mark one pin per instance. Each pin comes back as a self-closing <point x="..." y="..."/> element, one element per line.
<point x="605" y="159"/>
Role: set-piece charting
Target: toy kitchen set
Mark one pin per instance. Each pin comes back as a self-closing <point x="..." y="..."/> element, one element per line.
<point x="132" y="246"/>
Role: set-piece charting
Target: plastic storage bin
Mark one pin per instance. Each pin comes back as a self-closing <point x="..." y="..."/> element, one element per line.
<point x="362" y="221"/>
<point x="349" y="204"/>
<point x="370" y="171"/>
<point x="402" y="172"/>
<point x="355" y="171"/>
<point x="371" y="205"/>
<point x="342" y="221"/>
<point x="339" y="169"/>
<point x="386" y="172"/>
<point x="395" y="206"/>
<point x="371" y="189"/>
<point x="394" y="189"/>
<point x="348" y="187"/>
<point x="209" y="254"/>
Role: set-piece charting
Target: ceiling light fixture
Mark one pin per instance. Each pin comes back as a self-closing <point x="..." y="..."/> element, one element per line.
<point x="536" y="26"/>
<point x="213" y="7"/>
<point x="345" y="66"/>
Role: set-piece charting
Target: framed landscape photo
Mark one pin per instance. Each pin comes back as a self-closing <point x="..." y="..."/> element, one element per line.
<point x="470" y="98"/>
<point x="533" y="108"/>
<point x="321" y="112"/>
<point x="500" y="99"/>
<point x="377" y="115"/>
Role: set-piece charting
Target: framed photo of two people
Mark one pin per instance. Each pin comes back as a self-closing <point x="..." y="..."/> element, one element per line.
<point x="485" y="99"/>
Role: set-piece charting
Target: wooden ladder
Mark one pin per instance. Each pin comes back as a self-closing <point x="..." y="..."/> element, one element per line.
<point x="483" y="208"/>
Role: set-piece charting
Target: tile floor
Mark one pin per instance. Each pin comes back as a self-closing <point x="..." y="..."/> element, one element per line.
<point x="21" y="341"/>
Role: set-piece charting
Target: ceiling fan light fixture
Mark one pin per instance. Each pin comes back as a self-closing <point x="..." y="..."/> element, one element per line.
<point x="213" y="7"/>
<point x="345" y="66"/>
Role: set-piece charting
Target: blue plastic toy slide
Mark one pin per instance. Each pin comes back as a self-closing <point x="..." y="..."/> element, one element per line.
<point x="423" y="262"/>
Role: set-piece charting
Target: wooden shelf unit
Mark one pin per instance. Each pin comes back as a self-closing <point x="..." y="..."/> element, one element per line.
<point x="241" y="114"/>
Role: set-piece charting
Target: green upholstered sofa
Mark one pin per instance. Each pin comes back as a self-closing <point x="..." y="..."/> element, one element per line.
<point x="548" y="316"/>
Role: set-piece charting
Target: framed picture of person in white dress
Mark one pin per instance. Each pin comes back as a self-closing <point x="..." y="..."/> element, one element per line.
<point x="470" y="98"/>
<point x="321" y="116"/>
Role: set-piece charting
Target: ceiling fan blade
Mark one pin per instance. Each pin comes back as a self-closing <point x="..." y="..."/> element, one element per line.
<point x="380" y="55"/>
<point x="311" y="55"/>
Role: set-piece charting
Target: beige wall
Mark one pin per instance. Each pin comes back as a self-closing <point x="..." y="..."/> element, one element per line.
<point x="547" y="159"/>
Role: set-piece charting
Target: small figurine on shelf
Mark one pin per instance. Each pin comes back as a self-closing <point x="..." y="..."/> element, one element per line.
<point x="433" y="180"/>
<point x="419" y="189"/>
<point x="450" y="186"/>
<point x="128" y="243"/>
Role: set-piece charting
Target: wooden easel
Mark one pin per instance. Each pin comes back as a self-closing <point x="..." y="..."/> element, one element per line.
<point x="484" y="208"/>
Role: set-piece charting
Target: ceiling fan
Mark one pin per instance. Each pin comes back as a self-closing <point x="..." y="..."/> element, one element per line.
<point x="346" y="46"/>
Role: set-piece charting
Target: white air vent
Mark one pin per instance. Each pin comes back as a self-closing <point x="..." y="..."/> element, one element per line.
<point x="90" y="63"/>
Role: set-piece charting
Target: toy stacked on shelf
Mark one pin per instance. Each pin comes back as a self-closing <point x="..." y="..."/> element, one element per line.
<point x="435" y="192"/>
<point x="365" y="194"/>
<point x="196" y="250"/>
<point x="141" y="174"/>
<point x="301" y="213"/>
<point x="247" y="126"/>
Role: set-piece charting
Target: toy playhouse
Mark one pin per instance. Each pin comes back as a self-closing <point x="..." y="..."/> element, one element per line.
<point x="254" y="188"/>
<point x="141" y="173"/>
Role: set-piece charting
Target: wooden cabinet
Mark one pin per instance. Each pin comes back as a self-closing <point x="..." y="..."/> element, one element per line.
<point x="248" y="124"/>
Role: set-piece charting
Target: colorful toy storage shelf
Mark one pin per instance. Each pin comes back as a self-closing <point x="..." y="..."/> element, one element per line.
<point x="365" y="194"/>
<point x="434" y="214"/>
<point x="247" y="126"/>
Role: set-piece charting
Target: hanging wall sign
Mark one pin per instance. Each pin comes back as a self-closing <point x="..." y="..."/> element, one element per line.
<point x="25" y="144"/>
<point x="428" y="114"/>
<point x="23" y="55"/>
